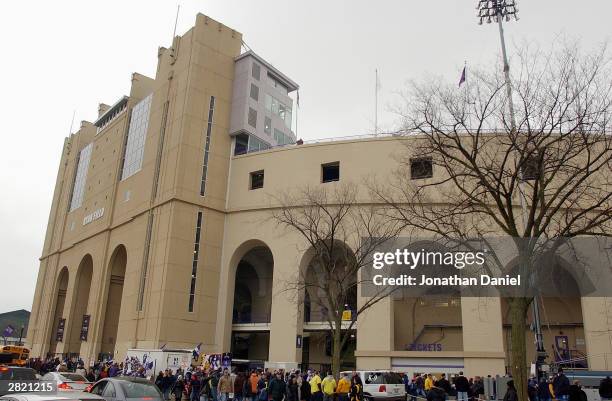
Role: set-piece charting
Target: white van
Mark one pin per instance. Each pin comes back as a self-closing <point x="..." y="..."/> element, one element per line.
<point x="383" y="385"/>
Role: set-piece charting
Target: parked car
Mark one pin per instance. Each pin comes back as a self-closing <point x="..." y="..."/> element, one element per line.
<point x="67" y="381"/>
<point x="12" y="373"/>
<point x="126" y="389"/>
<point x="381" y="385"/>
<point x="72" y="396"/>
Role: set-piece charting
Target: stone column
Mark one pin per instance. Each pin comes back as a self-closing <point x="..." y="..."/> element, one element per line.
<point x="597" y="319"/>
<point x="483" y="341"/>
<point x="375" y="332"/>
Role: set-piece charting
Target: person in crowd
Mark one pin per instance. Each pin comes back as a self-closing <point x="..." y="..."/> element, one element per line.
<point x="277" y="387"/>
<point x="158" y="380"/>
<point x="356" y="393"/>
<point x="225" y="386"/>
<point x="293" y="389"/>
<point x="328" y="385"/>
<point x="253" y="385"/>
<point x="462" y="385"/>
<point x="178" y="388"/>
<point x="511" y="394"/>
<point x="576" y="393"/>
<point x="444" y="384"/>
<point x="114" y="370"/>
<point x="436" y="393"/>
<point x="605" y="389"/>
<point x="429" y="382"/>
<point x="344" y="387"/>
<point x="305" y="389"/>
<point x="419" y="384"/>
<point x="205" y="393"/>
<point x="561" y="386"/>
<point x="90" y="376"/>
<point x="80" y="370"/>
<point x="239" y="382"/>
<point x="195" y="385"/>
<point x="543" y="390"/>
<point x="532" y="389"/>
<point x="315" y="387"/>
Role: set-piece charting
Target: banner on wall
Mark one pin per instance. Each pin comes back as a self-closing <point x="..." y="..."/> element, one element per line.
<point x="59" y="335"/>
<point x="85" y="327"/>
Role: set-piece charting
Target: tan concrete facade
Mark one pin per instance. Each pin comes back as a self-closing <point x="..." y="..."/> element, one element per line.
<point x="130" y="267"/>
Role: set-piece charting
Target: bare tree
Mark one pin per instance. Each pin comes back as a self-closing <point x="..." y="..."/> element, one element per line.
<point x="340" y="234"/>
<point x="548" y="178"/>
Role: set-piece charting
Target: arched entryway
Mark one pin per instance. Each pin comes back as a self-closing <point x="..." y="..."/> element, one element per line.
<point x="252" y="304"/>
<point x="116" y="277"/>
<point x="57" y="333"/>
<point x="79" y="318"/>
<point x="328" y="278"/>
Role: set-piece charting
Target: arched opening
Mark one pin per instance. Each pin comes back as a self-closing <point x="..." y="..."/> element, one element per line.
<point x="252" y="305"/>
<point x="79" y="318"/>
<point x="560" y="308"/>
<point x="116" y="277"/>
<point x="328" y="277"/>
<point x="57" y="335"/>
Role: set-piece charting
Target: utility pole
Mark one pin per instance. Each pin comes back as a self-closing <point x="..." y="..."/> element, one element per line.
<point x="498" y="10"/>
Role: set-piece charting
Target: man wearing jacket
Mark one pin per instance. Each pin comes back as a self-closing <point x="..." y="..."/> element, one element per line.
<point x="561" y="386"/>
<point x="277" y="387"/>
<point x="605" y="389"/>
<point x="462" y="385"/>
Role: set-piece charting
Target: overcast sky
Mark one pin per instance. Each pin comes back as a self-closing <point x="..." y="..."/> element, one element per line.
<point x="63" y="56"/>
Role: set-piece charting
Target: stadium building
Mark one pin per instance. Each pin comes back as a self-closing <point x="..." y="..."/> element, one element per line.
<point x="160" y="233"/>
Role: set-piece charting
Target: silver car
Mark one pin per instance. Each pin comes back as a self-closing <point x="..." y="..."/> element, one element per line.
<point x="126" y="389"/>
<point x="67" y="381"/>
<point x="72" y="396"/>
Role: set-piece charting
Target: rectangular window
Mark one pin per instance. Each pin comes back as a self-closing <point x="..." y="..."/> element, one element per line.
<point x="78" y="188"/>
<point x="256" y="71"/>
<point x="211" y="113"/>
<point x="268" y="101"/>
<point x="421" y="167"/>
<point x="137" y="135"/>
<point x="252" y="118"/>
<point x="267" y="125"/>
<point x="530" y="170"/>
<point x="257" y="179"/>
<point x="256" y="144"/>
<point x="330" y="172"/>
<point x="254" y="92"/>
<point x="194" y="264"/>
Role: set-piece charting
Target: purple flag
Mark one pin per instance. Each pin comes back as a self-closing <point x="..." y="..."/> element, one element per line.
<point x="462" y="79"/>
<point x="8" y="331"/>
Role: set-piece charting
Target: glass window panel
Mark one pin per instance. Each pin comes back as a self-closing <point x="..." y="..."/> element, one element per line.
<point x="137" y="132"/>
<point x="268" y="101"/>
<point x="78" y="189"/>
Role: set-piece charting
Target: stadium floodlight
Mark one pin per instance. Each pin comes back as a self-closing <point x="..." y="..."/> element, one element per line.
<point x="496" y="10"/>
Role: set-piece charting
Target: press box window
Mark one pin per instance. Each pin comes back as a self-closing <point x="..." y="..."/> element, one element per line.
<point x="421" y="168"/>
<point x="257" y="179"/>
<point x="330" y="172"/>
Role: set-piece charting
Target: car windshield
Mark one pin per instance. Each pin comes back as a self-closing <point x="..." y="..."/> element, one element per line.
<point x="17" y="374"/>
<point x="139" y="390"/>
<point x="73" y="377"/>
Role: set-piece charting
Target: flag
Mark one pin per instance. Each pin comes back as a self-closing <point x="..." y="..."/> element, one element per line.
<point x="462" y="79"/>
<point x="8" y="331"/>
<point x="196" y="351"/>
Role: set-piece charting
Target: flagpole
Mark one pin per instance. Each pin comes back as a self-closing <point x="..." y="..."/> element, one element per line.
<point x="376" y="104"/>
<point x="297" y="109"/>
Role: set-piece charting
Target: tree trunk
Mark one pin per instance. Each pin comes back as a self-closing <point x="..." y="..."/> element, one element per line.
<point x="336" y="349"/>
<point x="518" y="355"/>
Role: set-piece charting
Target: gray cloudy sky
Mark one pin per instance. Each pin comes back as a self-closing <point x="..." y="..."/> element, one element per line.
<point x="59" y="56"/>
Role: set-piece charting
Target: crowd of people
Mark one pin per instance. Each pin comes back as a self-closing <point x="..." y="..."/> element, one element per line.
<point x="199" y="384"/>
<point x="258" y="385"/>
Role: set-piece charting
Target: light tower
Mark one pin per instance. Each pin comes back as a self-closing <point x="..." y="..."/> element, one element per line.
<point x="496" y="11"/>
